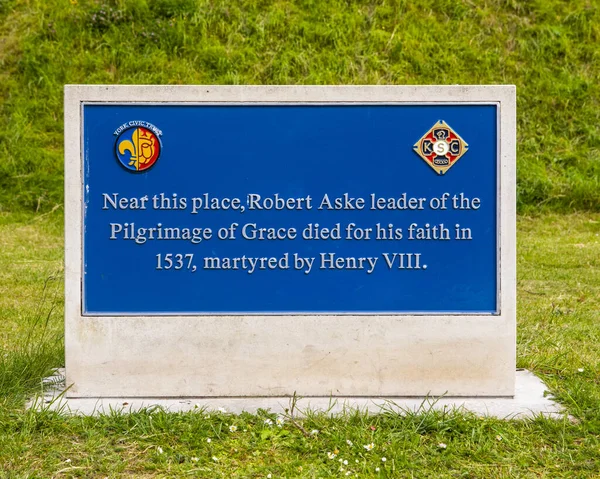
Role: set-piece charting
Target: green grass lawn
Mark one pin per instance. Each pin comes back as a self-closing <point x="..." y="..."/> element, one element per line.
<point x="558" y="337"/>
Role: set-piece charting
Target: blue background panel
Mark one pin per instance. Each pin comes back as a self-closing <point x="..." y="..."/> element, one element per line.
<point x="295" y="151"/>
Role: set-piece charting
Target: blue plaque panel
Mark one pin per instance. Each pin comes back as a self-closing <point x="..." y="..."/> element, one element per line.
<point x="203" y="209"/>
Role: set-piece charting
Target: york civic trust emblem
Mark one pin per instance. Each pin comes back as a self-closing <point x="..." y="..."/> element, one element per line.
<point x="138" y="145"/>
<point x="441" y="147"/>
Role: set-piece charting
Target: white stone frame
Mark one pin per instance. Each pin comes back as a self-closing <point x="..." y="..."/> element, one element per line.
<point x="312" y="355"/>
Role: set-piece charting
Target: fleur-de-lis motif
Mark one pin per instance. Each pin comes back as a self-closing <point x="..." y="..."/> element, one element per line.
<point x="142" y="148"/>
<point x="138" y="148"/>
<point x="127" y="145"/>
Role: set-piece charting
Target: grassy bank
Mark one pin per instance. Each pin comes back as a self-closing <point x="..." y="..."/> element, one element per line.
<point x="549" y="48"/>
<point x="558" y="304"/>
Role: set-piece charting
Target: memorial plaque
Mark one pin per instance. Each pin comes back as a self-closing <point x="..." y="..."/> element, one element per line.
<point x="265" y="241"/>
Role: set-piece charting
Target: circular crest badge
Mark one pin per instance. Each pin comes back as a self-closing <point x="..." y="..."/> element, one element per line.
<point x="137" y="148"/>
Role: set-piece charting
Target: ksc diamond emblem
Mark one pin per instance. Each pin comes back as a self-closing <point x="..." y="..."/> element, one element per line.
<point x="441" y="147"/>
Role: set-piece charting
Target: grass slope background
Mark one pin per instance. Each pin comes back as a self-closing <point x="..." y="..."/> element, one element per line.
<point x="549" y="48"/>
